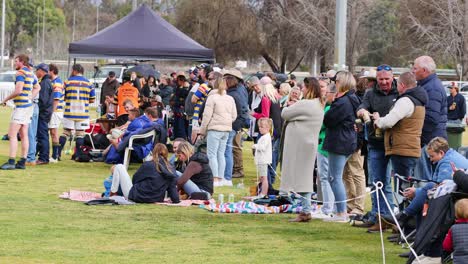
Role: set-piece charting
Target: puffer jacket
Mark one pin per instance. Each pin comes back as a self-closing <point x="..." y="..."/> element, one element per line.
<point x="219" y="114"/>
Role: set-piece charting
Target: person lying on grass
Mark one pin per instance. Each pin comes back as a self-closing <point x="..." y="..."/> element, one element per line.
<point x="150" y="182"/>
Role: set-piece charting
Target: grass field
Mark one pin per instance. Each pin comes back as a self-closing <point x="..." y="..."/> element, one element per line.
<point x="38" y="227"/>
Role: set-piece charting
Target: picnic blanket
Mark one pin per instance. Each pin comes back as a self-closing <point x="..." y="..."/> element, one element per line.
<point x="244" y="207"/>
<point x="80" y="196"/>
<point x="185" y="203"/>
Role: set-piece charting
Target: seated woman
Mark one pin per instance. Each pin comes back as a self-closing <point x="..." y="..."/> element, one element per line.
<point x="151" y="181"/>
<point x="443" y="157"/>
<point x="197" y="176"/>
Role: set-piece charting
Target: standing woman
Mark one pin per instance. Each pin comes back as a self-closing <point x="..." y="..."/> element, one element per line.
<point x="303" y="120"/>
<point x="341" y="138"/>
<point x="220" y="111"/>
<point x="149" y="90"/>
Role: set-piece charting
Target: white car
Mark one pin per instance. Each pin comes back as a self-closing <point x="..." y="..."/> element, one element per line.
<point x="7" y="80"/>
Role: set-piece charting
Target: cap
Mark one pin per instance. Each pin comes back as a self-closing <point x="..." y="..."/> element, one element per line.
<point x="43" y="66"/>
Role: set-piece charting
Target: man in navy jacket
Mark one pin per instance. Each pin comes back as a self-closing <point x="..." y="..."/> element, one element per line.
<point x="435" y="120"/>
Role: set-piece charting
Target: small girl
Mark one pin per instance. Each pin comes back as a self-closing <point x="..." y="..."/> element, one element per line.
<point x="456" y="239"/>
<point x="263" y="153"/>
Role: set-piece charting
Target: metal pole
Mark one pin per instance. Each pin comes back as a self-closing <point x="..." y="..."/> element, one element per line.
<point x="3" y="34"/>
<point x="97" y="19"/>
<point x="340" y="34"/>
<point x="43" y="30"/>
<point x="73" y="31"/>
<point x="37" y="34"/>
<point x="134" y="5"/>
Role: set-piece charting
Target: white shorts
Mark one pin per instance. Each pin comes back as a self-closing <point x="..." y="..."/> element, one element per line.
<point x="22" y="116"/>
<point x="76" y="125"/>
<point x="56" y="119"/>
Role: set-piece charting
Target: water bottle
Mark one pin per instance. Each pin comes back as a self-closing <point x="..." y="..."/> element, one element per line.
<point x="240" y="185"/>
<point x="99" y="110"/>
<point x="231" y="198"/>
<point x="221" y="198"/>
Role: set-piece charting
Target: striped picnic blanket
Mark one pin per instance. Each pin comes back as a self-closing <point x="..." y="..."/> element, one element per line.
<point x="245" y="207"/>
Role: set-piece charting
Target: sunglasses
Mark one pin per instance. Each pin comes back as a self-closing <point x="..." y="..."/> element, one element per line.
<point x="384" y="67"/>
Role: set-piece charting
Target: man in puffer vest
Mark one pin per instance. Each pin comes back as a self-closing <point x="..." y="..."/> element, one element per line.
<point x="403" y="125"/>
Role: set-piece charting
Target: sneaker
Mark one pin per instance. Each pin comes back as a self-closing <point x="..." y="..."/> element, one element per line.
<point x="218" y="183"/>
<point x="20" y="166"/>
<point x="52" y="160"/>
<point x="226" y="183"/>
<point x="8" y="166"/>
<point x="337" y="219"/>
<point x="40" y="162"/>
<point x="30" y="163"/>
<point x="320" y="215"/>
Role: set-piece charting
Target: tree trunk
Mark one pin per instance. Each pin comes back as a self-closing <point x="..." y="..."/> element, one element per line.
<point x="271" y="62"/>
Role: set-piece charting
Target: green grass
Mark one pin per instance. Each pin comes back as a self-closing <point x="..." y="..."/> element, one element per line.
<point x="38" y="227"/>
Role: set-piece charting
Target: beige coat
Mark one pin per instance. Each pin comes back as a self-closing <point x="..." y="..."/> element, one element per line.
<point x="303" y="121"/>
<point x="220" y="111"/>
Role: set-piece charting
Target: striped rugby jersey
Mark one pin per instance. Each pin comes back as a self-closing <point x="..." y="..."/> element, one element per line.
<point x="58" y="94"/>
<point x="23" y="100"/>
<point x="78" y="92"/>
<point x="201" y="93"/>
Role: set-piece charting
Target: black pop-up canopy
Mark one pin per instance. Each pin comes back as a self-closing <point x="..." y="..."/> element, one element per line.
<point x="141" y="35"/>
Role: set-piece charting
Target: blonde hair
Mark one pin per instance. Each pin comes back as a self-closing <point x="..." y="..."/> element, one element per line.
<point x="219" y="83"/>
<point x="346" y="81"/>
<point x="160" y="150"/>
<point x="438" y="144"/>
<point x="267" y="121"/>
<point x="285" y="87"/>
<point x="461" y="209"/>
<point x="186" y="149"/>
<point x="270" y="92"/>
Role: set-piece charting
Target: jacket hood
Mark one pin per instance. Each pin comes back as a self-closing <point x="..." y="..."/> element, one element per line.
<point x="427" y="79"/>
<point x="355" y="101"/>
<point x="417" y="93"/>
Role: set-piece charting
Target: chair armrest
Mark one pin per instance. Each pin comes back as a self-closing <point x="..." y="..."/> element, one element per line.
<point x="146" y="135"/>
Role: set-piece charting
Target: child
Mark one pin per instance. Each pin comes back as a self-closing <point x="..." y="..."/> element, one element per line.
<point x="263" y="153"/>
<point x="456" y="238"/>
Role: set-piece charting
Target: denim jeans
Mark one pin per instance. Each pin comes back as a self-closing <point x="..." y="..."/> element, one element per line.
<point x="43" y="145"/>
<point x="32" y="133"/>
<point x="378" y="163"/>
<point x="190" y="187"/>
<point x="274" y="161"/>
<point x="305" y="202"/>
<point x="229" y="156"/>
<point x="327" y="193"/>
<point x="423" y="168"/>
<point x="404" y="166"/>
<point x="336" y="163"/>
<point x="216" y="147"/>
<point x="416" y="206"/>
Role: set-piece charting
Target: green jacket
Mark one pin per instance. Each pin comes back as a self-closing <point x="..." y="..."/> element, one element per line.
<point x="322" y="135"/>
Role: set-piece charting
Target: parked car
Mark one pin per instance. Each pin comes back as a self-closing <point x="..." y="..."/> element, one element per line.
<point x="7" y="80"/>
<point x="101" y="73"/>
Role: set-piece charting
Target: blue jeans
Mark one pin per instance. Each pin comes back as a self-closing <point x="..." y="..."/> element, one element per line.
<point x="190" y="187"/>
<point x="43" y="146"/>
<point x="404" y="166"/>
<point x="423" y="168"/>
<point x="305" y="202"/>
<point x="274" y="161"/>
<point x="336" y="163"/>
<point x="327" y="193"/>
<point x="229" y="156"/>
<point x="377" y="167"/>
<point x="216" y="147"/>
<point x="32" y="133"/>
<point x="416" y="206"/>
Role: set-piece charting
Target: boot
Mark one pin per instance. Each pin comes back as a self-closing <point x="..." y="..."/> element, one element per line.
<point x="301" y="217"/>
<point x="62" y="142"/>
<point x="79" y="143"/>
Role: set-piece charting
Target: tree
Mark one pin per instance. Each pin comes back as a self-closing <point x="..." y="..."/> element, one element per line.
<point x="23" y="27"/>
<point x="440" y="28"/>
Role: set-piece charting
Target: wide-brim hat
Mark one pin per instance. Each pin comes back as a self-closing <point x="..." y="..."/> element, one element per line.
<point x="234" y="72"/>
<point x="370" y="74"/>
<point x="181" y="73"/>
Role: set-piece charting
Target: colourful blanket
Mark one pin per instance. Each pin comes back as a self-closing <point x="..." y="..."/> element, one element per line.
<point x="244" y="207"/>
<point x="80" y="196"/>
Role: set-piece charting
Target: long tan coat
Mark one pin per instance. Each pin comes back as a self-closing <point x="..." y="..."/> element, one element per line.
<point x="303" y="121"/>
